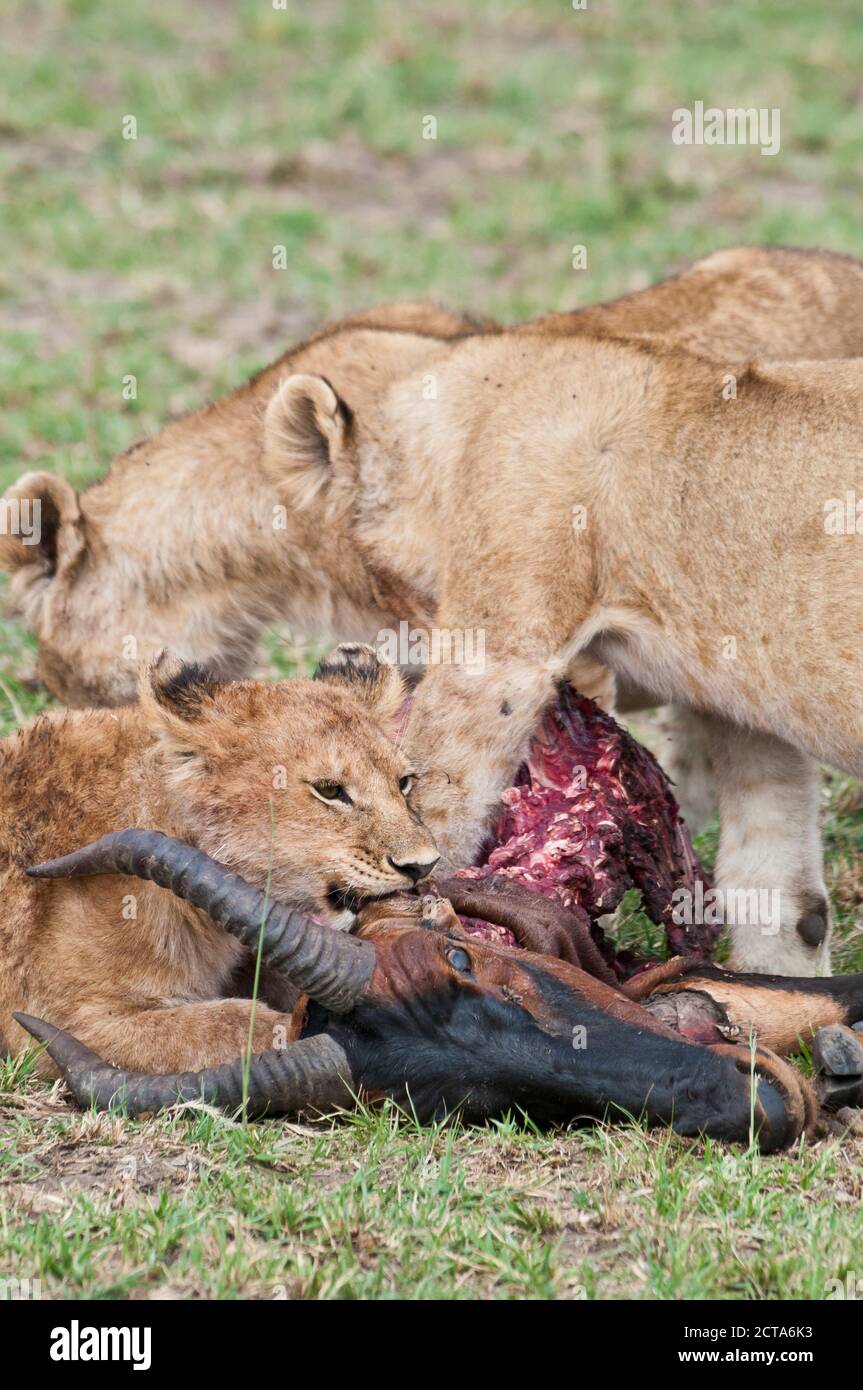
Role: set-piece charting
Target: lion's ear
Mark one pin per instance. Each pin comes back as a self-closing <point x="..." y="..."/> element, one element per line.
<point x="179" y="689"/>
<point x="40" y="524"/>
<point x="378" y="684"/>
<point x="305" y="431"/>
<point x="176" y="698"/>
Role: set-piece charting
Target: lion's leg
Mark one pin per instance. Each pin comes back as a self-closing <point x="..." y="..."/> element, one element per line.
<point x="687" y="757"/>
<point x="175" y="1037"/>
<point x="769" y="867"/>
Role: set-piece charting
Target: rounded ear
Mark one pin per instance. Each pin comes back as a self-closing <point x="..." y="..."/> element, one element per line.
<point x="40" y="524"/>
<point x="305" y="431"/>
<point x="179" y="689"/>
<point x="175" y="697"/>
<point x="378" y="684"/>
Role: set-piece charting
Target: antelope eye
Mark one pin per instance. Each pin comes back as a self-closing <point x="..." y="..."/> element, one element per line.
<point x="459" y="960"/>
<point x="405" y="783"/>
<point x="331" y="791"/>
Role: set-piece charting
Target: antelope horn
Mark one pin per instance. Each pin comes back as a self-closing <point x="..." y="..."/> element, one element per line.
<point x="313" y="1073"/>
<point x="332" y="968"/>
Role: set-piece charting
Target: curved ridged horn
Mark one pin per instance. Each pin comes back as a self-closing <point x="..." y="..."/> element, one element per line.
<point x="313" y="1073"/>
<point x="332" y="968"/>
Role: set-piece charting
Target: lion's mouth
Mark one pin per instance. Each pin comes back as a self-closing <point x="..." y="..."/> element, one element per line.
<point x="348" y="900"/>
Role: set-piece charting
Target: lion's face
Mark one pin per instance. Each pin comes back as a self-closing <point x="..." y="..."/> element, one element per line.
<point x="90" y="627"/>
<point x="294" y="783"/>
<point x="197" y="538"/>
<point x="105" y="593"/>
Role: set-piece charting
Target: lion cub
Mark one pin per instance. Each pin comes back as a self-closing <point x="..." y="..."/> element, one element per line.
<point x="294" y="781"/>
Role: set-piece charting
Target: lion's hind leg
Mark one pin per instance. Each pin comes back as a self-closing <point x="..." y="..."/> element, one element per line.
<point x="175" y="1037"/>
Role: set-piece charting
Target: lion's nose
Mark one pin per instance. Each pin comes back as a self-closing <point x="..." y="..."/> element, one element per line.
<point x="415" y="868"/>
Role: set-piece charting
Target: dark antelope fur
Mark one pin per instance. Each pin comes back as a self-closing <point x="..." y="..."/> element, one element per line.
<point x="412" y="1008"/>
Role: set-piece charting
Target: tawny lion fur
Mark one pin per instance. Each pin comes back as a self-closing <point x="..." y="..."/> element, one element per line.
<point x="149" y="980"/>
<point x="410" y="465"/>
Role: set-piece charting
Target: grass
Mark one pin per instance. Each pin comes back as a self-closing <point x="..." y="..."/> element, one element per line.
<point x="373" y="1206"/>
<point x="153" y="258"/>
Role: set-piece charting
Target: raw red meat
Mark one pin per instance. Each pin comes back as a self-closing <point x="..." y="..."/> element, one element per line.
<point x="590" y="815"/>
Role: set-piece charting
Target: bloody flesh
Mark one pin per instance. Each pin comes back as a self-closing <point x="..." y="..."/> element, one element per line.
<point x="590" y="815"/>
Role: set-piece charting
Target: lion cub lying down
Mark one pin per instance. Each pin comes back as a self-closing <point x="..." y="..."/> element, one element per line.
<point x="295" y="779"/>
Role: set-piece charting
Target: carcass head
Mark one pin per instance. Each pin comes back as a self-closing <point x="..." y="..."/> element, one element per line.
<point x="413" y="1008"/>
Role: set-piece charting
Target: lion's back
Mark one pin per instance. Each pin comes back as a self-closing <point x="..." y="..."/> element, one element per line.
<point x="55" y="776"/>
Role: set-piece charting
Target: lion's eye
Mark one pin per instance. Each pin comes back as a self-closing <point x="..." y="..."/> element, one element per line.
<point x="405" y="783"/>
<point x="459" y="960"/>
<point x="331" y="791"/>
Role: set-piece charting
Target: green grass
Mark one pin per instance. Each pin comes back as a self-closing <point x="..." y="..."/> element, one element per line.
<point x="153" y="257"/>
<point x="373" y="1206"/>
